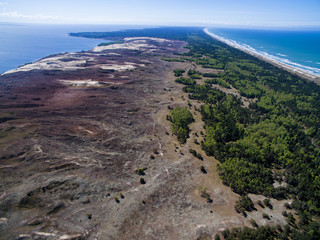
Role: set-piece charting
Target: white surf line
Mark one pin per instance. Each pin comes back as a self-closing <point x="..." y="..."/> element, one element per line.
<point x="286" y="64"/>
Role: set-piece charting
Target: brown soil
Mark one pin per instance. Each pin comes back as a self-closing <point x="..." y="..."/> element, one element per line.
<point x="69" y="155"/>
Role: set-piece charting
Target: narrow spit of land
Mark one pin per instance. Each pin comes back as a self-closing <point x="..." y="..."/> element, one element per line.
<point x="88" y="152"/>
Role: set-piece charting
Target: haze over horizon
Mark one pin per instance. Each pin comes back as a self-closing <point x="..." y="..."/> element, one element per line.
<point x="202" y="13"/>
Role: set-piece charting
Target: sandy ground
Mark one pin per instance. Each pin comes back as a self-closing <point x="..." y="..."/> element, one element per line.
<point x="73" y="140"/>
<point x="133" y="43"/>
<point x="74" y="61"/>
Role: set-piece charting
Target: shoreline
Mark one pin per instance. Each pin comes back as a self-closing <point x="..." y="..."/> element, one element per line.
<point x="293" y="70"/>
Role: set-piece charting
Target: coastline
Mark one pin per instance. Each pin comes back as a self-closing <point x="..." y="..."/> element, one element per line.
<point x="294" y="70"/>
<point x="87" y="119"/>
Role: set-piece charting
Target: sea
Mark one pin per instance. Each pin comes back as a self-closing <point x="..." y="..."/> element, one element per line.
<point x="299" y="48"/>
<point x="25" y="43"/>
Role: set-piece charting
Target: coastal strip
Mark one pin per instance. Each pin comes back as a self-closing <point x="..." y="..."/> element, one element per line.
<point x="294" y="70"/>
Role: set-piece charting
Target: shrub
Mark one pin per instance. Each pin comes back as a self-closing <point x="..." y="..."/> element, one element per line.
<point x="285" y="214"/>
<point x="194" y="72"/>
<point x="211" y="75"/>
<point x="193" y="152"/>
<point x="254" y="223"/>
<point x="244" y="204"/>
<point x="178" y="72"/>
<point x="140" y="171"/>
<point x="205" y="194"/>
<point x="185" y="81"/>
<point x="181" y="118"/>
<point x="196" y="76"/>
<point x="279" y="228"/>
<point x="287" y="206"/>
<point x="260" y="204"/>
<point x="142" y="181"/>
<point x="267" y="203"/>
<point x="199" y="156"/>
<point x="290" y="218"/>
<point x="203" y="169"/>
<point x="226" y="233"/>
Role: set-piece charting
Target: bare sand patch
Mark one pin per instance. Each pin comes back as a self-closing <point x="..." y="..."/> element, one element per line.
<point x="134" y="43"/>
<point x="86" y="83"/>
<point x="117" y="67"/>
<point x="147" y="38"/>
<point x="127" y="45"/>
<point x="66" y="62"/>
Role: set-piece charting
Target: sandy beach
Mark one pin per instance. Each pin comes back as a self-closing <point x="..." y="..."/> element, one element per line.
<point x="291" y="69"/>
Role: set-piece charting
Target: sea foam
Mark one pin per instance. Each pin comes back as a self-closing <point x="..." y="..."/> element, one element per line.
<point x="278" y="57"/>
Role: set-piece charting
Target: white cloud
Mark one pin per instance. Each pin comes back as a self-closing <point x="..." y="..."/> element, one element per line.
<point x="3" y="4"/>
<point x="19" y="15"/>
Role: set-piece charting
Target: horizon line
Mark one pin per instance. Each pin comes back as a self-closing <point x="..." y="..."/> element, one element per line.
<point x="204" y="25"/>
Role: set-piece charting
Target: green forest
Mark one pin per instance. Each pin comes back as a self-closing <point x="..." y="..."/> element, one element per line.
<point x="181" y="118"/>
<point x="275" y="139"/>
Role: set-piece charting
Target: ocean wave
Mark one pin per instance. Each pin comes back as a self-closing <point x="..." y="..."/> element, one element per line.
<point x="248" y="48"/>
<point x="281" y="55"/>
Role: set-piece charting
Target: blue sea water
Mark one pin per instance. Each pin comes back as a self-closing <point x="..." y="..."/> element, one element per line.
<point x="22" y="43"/>
<point x="296" y="47"/>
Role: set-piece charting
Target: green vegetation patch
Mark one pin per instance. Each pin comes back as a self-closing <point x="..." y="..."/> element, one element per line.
<point x="244" y="204"/>
<point x="178" y="72"/>
<point x="173" y="59"/>
<point x="181" y="118"/>
<point x="194" y="74"/>
<point x="279" y="131"/>
<point x="185" y="81"/>
<point x="218" y="81"/>
<point x="109" y="43"/>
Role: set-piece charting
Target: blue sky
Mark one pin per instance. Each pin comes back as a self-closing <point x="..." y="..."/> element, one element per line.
<point x="164" y="12"/>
